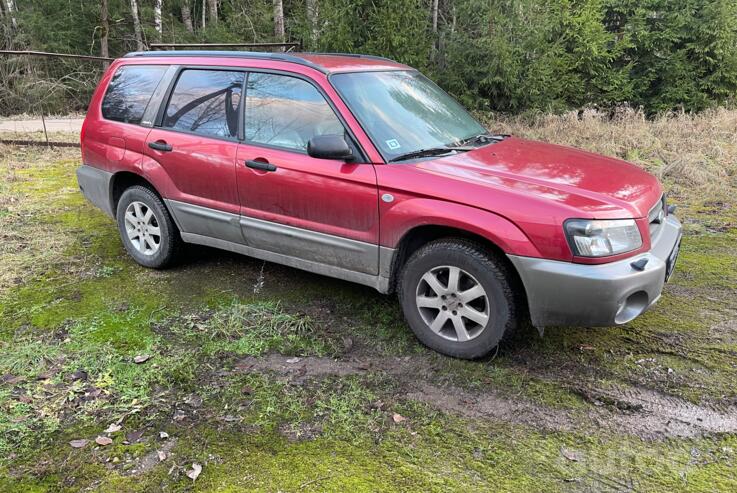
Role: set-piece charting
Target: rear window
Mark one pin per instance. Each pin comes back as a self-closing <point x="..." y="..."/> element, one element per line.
<point x="130" y="91"/>
<point x="205" y="102"/>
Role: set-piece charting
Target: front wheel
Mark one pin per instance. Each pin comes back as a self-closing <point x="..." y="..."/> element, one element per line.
<point x="458" y="298"/>
<point x="146" y="228"/>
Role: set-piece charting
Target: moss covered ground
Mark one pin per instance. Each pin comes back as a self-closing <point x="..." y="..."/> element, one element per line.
<point x="76" y="312"/>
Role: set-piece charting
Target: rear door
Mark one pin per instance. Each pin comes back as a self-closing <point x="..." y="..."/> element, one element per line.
<point x="320" y="210"/>
<point x="195" y="141"/>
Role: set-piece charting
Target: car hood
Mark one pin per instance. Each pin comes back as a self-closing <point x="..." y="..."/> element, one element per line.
<point x="598" y="186"/>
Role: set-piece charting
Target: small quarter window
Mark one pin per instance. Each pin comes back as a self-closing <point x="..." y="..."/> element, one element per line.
<point x="129" y="92"/>
<point x="205" y="102"/>
<point x="286" y="112"/>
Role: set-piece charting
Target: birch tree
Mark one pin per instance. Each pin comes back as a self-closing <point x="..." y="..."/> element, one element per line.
<point x="11" y="9"/>
<point x="313" y="16"/>
<point x="204" y="14"/>
<point x="137" y="25"/>
<point x="157" y="19"/>
<point x="186" y="15"/>
<point x="279" y="20"/>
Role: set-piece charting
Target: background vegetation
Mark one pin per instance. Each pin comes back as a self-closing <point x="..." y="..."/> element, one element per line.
<point x="502" y="55"/>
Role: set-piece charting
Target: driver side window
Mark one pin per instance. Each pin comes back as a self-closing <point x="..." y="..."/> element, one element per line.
<point x="286" y="112"/>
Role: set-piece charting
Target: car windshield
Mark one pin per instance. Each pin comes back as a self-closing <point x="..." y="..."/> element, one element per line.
<point x="404" y="112"/>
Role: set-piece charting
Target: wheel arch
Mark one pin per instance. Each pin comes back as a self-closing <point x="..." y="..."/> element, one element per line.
<point x="123" y="180"/>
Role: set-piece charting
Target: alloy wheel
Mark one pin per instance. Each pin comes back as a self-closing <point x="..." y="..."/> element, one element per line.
<point x="452" y="303"/>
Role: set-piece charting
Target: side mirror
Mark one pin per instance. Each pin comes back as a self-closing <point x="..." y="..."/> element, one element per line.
<point x="329" y="147"/>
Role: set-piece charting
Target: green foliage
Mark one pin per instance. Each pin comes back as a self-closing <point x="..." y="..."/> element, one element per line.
<point x="502" y="55"/>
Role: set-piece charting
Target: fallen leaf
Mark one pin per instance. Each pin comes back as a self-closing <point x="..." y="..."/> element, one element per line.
<point x="134" y="436"/>
<point x="163" y="435"/>
<point x="78" y="375"/>
<point x="571" y="455"/>
<point x="101" y="440"/>
<point x="141" y="358"/>
<point x="25" y="399"/>
<point x="113" y="428"/>
<point x="347" y="344"/>
<point x="195" y="472"/>
<point x="11" y="379"/>
<point x="293" y="360"/>
<point x="162" y="455"/>
<point x="45" y="375"/>
<point x="193" y="400"/>
<point x="78" y="443"/>
<point x="398" y="418"/>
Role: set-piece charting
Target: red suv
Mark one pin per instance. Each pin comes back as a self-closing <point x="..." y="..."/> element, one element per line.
<point x="360" y="168"/>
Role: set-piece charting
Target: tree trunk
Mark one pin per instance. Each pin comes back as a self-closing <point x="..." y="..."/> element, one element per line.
<point x="187" y="16"/>
<point x="204" y="14"/>
<point x="279" y="21"/>
<point x="435" y="16"/>
<point x="313" y="15"/>
<point x="105" y="31"/>
<point x="10" y="4"/>
<point x="137" y="25"/>
<point x="157" y="19"/>
<point x="213" y="11"/>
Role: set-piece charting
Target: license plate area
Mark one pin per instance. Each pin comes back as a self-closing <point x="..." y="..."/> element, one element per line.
<point x="670" y="264"/>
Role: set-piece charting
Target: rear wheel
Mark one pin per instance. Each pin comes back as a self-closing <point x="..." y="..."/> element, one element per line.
<point x="458" y="298"/>
<point x="146" y="228"/>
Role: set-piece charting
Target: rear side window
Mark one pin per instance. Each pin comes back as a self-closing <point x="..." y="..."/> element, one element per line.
<point x="129" y="92"/>
<point x="286" y="112"/>
<point x="205" y="102"/>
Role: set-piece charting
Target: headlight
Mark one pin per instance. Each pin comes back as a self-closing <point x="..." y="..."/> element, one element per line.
<point x="600" y="238"/>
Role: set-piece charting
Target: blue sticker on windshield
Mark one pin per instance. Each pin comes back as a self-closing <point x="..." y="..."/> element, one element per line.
<point x="393" y="144"/>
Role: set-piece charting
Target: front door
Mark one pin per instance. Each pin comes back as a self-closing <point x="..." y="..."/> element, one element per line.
<point x="196" y="144"/>
<point x="319" y="210"/>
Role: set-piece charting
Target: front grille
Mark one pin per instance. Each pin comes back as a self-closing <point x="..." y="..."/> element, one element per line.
<point x="656" y="216"/>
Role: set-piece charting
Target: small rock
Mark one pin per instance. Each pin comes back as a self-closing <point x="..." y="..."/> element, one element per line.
<point x="163" y="435"/>
<point x="162" y="455"/>
<point x="398" y="418"/>
<point x="141" y="358"/>
<point x="291" y="361"/>
<point x="78" y="443"/>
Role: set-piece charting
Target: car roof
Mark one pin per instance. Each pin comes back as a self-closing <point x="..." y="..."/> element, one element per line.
<point x="324" y="62"/>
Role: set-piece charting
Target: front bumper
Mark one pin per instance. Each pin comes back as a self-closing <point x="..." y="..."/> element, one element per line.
<point x="564" y="293"/>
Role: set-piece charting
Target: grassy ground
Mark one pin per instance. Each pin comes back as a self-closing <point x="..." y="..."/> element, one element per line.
<point x="272" y="379"/>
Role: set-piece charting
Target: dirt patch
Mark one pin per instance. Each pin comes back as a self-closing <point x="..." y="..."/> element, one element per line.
<point x="637" y="411"/>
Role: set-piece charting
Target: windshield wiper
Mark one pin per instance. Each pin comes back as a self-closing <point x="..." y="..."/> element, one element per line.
<point x="433" y="151"/>
<point x="484" y="138"/>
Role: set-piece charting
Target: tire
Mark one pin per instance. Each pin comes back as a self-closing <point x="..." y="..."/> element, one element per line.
<point x="137" y="201"/>
<point x="425" y="309"/>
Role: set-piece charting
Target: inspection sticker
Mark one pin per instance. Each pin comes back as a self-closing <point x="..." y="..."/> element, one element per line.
<point x="393" y="144"/>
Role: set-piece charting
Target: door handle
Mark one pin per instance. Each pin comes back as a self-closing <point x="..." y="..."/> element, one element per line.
<point x="160" y="146"/>
<point x="260" y="165"/>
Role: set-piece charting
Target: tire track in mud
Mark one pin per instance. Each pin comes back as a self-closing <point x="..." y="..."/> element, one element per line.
<point x="636" y="411"/>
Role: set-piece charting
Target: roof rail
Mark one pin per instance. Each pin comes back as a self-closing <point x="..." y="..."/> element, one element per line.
<point x="353" y="55"/>
<point x="285" y="57"/>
